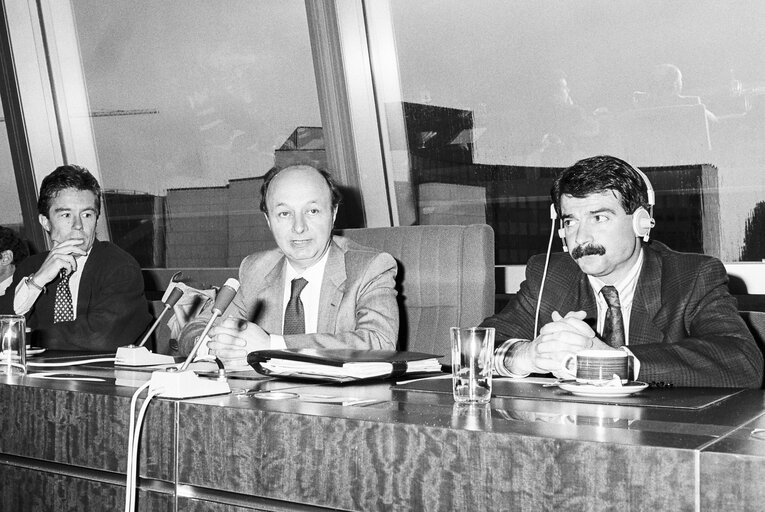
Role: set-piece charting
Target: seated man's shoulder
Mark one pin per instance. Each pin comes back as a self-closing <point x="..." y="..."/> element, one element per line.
<point x="258" y="261"/>
<point x="113" y="252"/>
<point x="355" y="252"/>
<point x="684" y="262"/>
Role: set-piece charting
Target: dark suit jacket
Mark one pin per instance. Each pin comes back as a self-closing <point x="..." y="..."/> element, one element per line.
<point x="684" y="326"/>
<point x="112" y="310"/>
<point x="358" y="306"/>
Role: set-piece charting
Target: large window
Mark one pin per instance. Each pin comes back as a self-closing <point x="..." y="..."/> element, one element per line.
<point x="188" y="103"/>
<point x="489" y="99"/>
<point x="10" y="209"/>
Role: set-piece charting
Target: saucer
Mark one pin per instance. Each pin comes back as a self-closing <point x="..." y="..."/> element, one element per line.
<point x="580" y="389"/>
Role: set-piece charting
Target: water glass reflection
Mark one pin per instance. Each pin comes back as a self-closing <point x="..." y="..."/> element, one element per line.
<point x="13" y="354"/>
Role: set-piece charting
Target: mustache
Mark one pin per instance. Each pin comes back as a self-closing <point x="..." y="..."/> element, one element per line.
<point x="587" y="250"/>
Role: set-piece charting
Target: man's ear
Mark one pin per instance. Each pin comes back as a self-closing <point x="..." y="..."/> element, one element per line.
<point x="334" y="215"/>
<point x="44" y="222"/>
<point x="268" y="221"/>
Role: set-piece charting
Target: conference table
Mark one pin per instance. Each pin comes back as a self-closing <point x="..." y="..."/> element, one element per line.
<point x="294" y="445"/>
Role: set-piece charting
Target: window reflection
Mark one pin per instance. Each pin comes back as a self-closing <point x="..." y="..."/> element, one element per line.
<point x="189" y="101"/>
<point x="677" y="88"/>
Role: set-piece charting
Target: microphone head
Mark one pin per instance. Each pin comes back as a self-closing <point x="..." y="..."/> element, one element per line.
<point x="225" y="295"/>
<point x="175" y="295"/>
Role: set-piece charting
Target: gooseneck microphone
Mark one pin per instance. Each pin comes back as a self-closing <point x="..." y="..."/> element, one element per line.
<point x="224" y="297"/>
<point x="171" y="301"/>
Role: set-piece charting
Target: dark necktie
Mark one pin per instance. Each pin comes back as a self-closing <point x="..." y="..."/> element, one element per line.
<point x="613" y="328"/>
<point x="63" y="310"/>
<point x="294" y="318"/>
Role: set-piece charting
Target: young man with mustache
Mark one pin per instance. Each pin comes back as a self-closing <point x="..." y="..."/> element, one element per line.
<point x="676" y="313"/>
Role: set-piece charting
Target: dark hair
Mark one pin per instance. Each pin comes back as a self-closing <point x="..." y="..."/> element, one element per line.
<point x="599" y="174"/>
<point x="334" y="191"/>
<point x="9" y="240"/>
<point x="64" y="177"/>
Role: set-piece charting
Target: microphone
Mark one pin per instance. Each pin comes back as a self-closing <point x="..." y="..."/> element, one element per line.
<point x="171" y="301"/>
<point x="184" y="383"/>
<point x="138" y="355"/>
<point x="224" y="297"/>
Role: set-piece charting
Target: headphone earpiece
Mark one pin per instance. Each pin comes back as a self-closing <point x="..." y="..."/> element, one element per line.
<point x="562" y="230"/>
<point x="642" y="220"/>
<point x="562" y="235"/>
<point x="642" y="223"/>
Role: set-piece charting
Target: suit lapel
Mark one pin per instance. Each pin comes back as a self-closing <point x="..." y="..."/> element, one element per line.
<point x="332" y="288"/>
<point x="645" y="321"/>
<point x="269" y="313"/>
<point x="85" y="288"/>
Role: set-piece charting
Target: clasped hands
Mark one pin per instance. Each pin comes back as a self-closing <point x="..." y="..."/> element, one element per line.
<point x="232" y="339"/>
<point x="564" y="336"/>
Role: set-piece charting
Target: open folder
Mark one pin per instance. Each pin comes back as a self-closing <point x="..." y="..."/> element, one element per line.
<point x="343" y="365"/>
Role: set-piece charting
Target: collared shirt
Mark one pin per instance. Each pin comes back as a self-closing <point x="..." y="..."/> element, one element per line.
<point x="310" y="296"/>
<point x="626" y="288"/>
<point x="26" y="294"/>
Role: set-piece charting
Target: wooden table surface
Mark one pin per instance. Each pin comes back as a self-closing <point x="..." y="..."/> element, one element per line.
<point x="377" y="447"/>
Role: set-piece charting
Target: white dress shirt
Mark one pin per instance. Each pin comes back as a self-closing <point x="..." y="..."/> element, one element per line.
<point x="626" y="289"/>
<point x="310" y="296"/>
<point x="26" y="294"/>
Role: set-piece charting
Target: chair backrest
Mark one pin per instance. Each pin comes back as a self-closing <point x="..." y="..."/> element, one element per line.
<point x="445" y="279"/>
<point x="755" y="320"/>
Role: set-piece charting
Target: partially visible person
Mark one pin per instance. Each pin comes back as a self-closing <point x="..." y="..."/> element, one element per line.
<point x="346" y="292"/>
<point x="665" y="89"/>
<point x="567" y="129"/>
<point x="83" y="294"/>
<point x="13" y="250"/>
<point x="671" y="310"/>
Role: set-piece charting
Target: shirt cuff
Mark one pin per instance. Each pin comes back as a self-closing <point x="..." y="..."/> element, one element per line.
<point x="277" y="342"/>
<point x="635" y="362"/>
<point x="504" y="352"/>
<point x="24" y="297"/>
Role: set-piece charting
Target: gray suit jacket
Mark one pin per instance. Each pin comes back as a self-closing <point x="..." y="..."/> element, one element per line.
<point x="684" y="326"/>
<point x="358" y="306"/>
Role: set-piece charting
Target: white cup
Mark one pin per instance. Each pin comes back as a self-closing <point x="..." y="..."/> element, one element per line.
<point x="472" y="363"/>
<point x="597" y="366"/>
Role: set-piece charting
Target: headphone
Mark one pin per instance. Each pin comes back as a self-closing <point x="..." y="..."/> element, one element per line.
<point x="642" y="219"/>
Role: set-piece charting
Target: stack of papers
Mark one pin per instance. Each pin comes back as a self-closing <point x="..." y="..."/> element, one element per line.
<point x="343" y="365"/>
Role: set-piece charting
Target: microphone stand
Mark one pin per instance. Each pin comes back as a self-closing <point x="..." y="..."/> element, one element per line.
<point x="132" y="355"/>
<point x="184" y="383"/>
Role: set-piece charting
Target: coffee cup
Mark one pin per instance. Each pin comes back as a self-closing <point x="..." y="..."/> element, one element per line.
<point x="597" y="366"/>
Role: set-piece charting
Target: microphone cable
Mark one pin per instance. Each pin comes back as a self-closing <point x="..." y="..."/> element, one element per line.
<point x="134" y="435"/>
<point x="544" y="275"/>
<point x="72" y="363"/>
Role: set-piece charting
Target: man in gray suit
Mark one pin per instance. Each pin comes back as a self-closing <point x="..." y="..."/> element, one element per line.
<point x="316" y="290"/>
<point x="674" y="311"/>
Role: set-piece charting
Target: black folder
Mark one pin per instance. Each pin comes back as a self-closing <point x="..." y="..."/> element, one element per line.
<point x="343" y="365"/>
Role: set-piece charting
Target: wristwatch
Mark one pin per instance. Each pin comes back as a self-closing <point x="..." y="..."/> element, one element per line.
<point x="29" y="281"/>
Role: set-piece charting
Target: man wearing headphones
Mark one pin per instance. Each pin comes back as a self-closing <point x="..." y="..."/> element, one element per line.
<point x="617" y="291"/>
